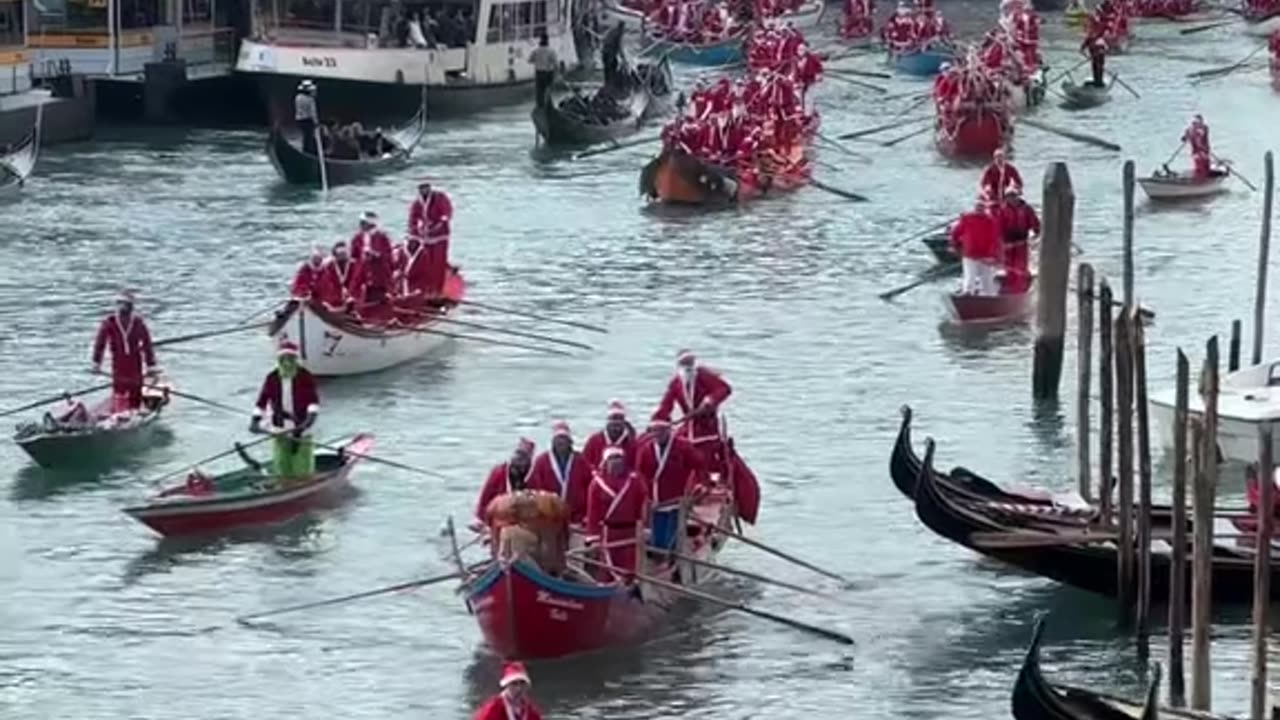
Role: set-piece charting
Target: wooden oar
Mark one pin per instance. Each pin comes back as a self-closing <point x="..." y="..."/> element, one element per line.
<point x="487" y="341"/>
<point x="617" y="146"/>
<point x="275" y="304"/>
<point x="1202" y="28"/>
<point x="859" y="83"/>
<point x="846" y="194"/>
<point x="729" y="604"/>
<point x="915" y="104"/>
<point x="384" y="461"/>
<point x="908" y="136"/>
<point x="209" y="334"/>
<point x="226" y="453"/>
<point x="1071" y="134"/>
<point x="1115" y="77"/>
<point x="842" y="148"/>
<point x="516" y="333"/>
<point x="928" y="231"/>
<point x="771" y="550"/>
<point x="54" y="399"/>
<point x="1214" y="73"/>
<point x="246" y="619"/>
<point x="1232" y="170"/>
<point x="881" y="128"/>
<point x="742" y="573"/>
<point x="861" y="73"/>
<point x="1065" y="73"/>
<point x="934" y="273"/>
<point x="535" y="316"/>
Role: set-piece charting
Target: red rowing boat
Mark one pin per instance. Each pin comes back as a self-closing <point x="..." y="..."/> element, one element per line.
<point x="676" y="177"/>
<point x="990" y="309"/>
<point x="247" y="497"/>
<point x="525" y="612"/>
<point x="977" y="134"/>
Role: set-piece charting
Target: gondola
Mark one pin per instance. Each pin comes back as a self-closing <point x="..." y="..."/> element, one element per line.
<point x="19" y="160"/>
<point x="1085" y="564"/>
<point x="559" y="125"/>
<point x="1084" y="96"/>
<point x="940" y="246"/>
<point x="300" y="168"/>
<point x="1035" y="698"/>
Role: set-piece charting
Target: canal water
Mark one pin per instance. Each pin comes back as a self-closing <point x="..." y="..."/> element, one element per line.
<point x="99" y="620"/>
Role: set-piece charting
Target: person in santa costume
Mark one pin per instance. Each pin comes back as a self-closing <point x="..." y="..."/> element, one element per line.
<point x="617" y="432"/>
<point x="698" y="392"/>
<point x="859" y="19"/>
<point x="512" y="701"/>
<point x="673" y="469"/>
<point x="1018" y="224"/>
<point x="290" y="400"/>
<point x="371" y="286"/>
<point x="308" y="276"/>
<point x="430" y="218"/>
<point x="369" y="236"/>
<point x="507" y="477"/>
<point x="411" y="276"/>
<point x="999" y="176"/>
<point x="1197" y="136"/>
<point x="565" y="471"/>
<point x="976" y="239"/>
<point x="333" y="289"/>
<point x="125" y="334"/>
<point x="617" y="510"/>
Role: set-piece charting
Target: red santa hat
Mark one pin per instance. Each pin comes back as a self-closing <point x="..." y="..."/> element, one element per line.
<point x="616" y="410"/>
<point x="524" y="447"/>
<point x="998" y="154"/>
<point x="611" y="453"/>
<point x="514" y="672"/>
<point x="126" y="296"/>
<point x="560" y="428"/>
<point x="659" y="421"/>
<point x="287" y="347"/>
<point x="369" y="217"/>
<point x="685" y="357"/>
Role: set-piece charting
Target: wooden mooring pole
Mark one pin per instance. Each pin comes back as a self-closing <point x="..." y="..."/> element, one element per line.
<point x="1139" y="343"/>
<point x="1105" y="398"/>
<point x="1264" y="252"/>
<point x="1123" y="349"/>
<point x="1055" y="263"/>
<point x="1128" y="232"/>
<point x="1084" y="369"/>
<point x="1178" y="563"/>
<point x="1202" y="550"/>
<point x="1262" y="575"/>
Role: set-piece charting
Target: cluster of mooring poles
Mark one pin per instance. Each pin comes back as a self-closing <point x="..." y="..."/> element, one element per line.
<point x="1122" y="386"/>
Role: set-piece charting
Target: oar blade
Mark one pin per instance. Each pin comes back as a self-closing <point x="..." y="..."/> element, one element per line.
<point x="838" y="637"/>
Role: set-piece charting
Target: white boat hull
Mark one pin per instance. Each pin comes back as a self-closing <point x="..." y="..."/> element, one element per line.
<point x="1245" y="402"/>
<point x="1181" y="188"/>
<point x="1264" y="28"/>
<point x="329" y="350"/>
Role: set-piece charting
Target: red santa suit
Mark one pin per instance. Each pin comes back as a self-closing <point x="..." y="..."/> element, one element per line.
<point x="706" y="389"/>
<point x="434" y="215"/>
<point x="335" y="287"/>
<point x="497" y="708"/>
<point x="976" y="238"/>
<point x="672" y="469"/>
<point x="617" y="510"/>
<point x="287" y="410"/>
<point x="130" y="345"/>
<point x="375" y="238"/>
<point x="371" y="286"/>
<point x="569" y="478"/>
<point x="308" y="276"/>
<point x="412" y="269"/>
<point x="1197" y="136"/>
<point x="601" y="440"/>
<point x="502" y="481"/>
<point x="1018" y="222"/>
<point x="999" y="178"/>
<point x="859" y="19"/>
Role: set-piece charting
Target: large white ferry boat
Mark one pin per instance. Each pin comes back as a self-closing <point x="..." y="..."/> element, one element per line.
<point x="472" y="54"/>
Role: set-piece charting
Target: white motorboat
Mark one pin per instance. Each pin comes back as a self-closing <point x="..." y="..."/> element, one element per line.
<point x="1246" y="399"/>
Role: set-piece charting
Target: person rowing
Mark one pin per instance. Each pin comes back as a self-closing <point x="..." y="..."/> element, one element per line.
<point x="565" y="469"/>
<point x="616" y="433"/>
<point x="290" y="399"/>
<point x="617" y="510"/>
<point x="673" y="469"/>
<point x="698" y="392"/>
<point x="998" y="177"/>
<point x="1018" y="223"/>
<point x="1095" y="48"/>
<point x="1197" y="136"/>
<point x="125" y="334"/>
<point x="506" y="477"/>
<point x="976" y="239"/>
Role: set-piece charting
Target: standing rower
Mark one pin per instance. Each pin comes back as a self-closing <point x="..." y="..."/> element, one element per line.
<point x="1197" y="136"/>
<point x="306" y="115"/>
<point x="564" y="470"/>
<point x="673" y="468"/>
<point x="507" y="477"/>
<point x="1095" y="47"/>
<point x="698" y="392"/>
<point x="369" y="236"/>
<point x="544" y="62"/>
<point x="1018" y="222"/>
<point x="126" y="335"/>
<point x="513" y="702"/>
<point x="293" y="412"/>
<point x="999" y="176"/>
<point x="617" y="508"/>
<point x="429" y="218"/>
<point x="617" y="433"/>
<point x="976" y="239"/>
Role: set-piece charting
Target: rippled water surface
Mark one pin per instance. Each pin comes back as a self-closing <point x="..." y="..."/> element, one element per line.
<point x="99" y="620"/>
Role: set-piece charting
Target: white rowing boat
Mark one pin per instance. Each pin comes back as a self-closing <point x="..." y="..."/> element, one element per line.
<point x="332" y="344"/>
<point x="1262" y="28"/>
<point x="1181" y="186"/>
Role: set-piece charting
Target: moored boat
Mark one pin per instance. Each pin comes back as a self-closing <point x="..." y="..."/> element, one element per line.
<point x="525" y="612"/>
<point x="976" y="135"/>
<point x="922" y="63"/>
<point x="1247" y="399"/>
<point x="248" y="497"/>
<point x="332" y="344"/>
<point x="967" y="309"/>
<point x="104" y="437"/>
<point x="1083" y="96"/>
<point x="298" y="167"/>
<point x="1165" y="185"/>
<point x="18" y="160"/>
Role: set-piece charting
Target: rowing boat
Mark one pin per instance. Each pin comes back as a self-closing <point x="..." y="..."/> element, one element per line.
<point x="19" y="160"/>
<point x="560" y="125"/>
<point x="298" y="167"/>
<point x="525" y="612"/>
<point x="332" y="344"/>
<point x="677" y="178"/>
<point x="106" y="436"/>
<point x="1262" y="26"/>
<point x="248" y="497"/>
<point x="977" y="135"/>
<point x="1181" y="186"/>
<point x="1084" y="96"/>
<point x="921" y="63"/>
<point x="966" y="309"/>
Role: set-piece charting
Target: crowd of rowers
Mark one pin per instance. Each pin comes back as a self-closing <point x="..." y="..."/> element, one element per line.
<point x="623" y="485"/>
<point x="909" y="29"/>
<point x="1259" y="9"/>
<point x="980" y="80"/>
<point x="762" y="115"/>
<point x="371" y="280"/>
<point x="700" y="22"/>
<point x="996" y="233"/>
<point x="1109" y="22"/>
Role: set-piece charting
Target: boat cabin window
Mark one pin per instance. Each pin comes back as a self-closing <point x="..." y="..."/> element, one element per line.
<point x="89" y="17"/>
<point x="11" y="23"/>
<point x="522" y="20"/>
<point x="426" y="24"/>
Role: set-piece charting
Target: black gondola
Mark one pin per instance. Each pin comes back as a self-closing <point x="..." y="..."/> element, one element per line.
<point x="1035" y="698"/>
<point x="940" y="246"/>
<point x="571" y="122"/>
<point x="18" y="160"/>
<point x="301" y="168"/>
<point x="1088" y="565"/>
